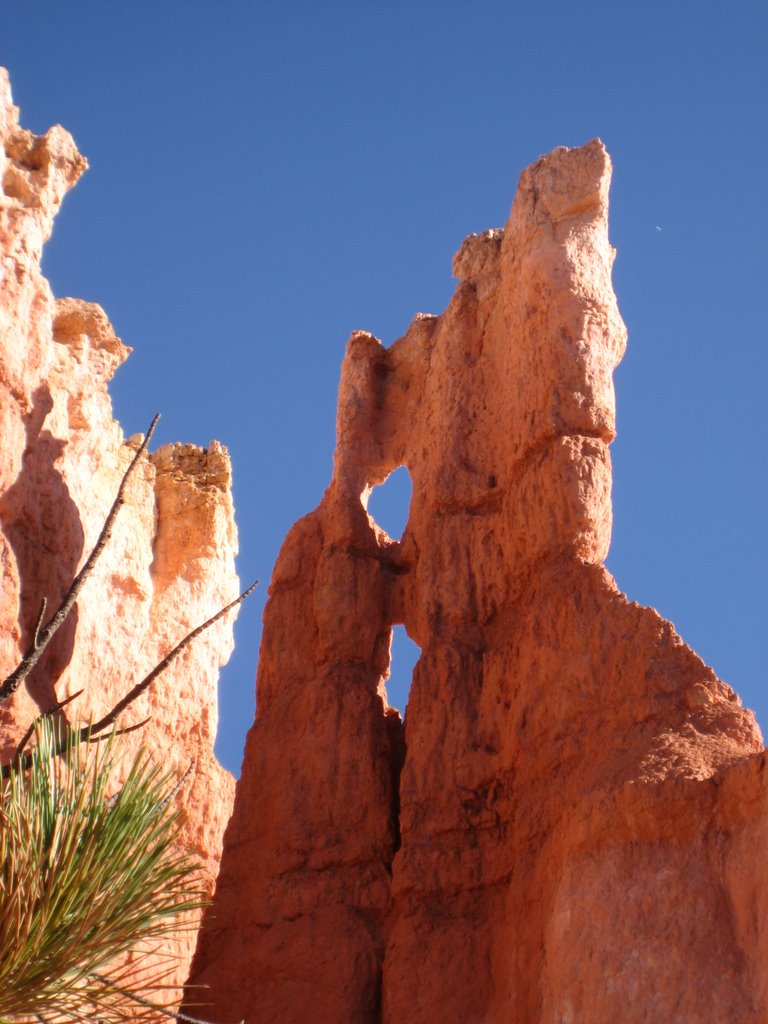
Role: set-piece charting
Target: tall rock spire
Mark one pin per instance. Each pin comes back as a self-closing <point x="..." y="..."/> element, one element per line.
<point x="558" y="832"/>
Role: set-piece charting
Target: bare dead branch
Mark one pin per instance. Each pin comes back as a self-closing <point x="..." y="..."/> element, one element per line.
<point x="88" y="732"/>
<point x="168" y="660"/>
<point x="123" y="731"/>
<point x="42" y="637"/>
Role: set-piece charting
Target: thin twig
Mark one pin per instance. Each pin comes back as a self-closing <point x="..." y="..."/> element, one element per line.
<point x="118" y="732"/>
<point x="179" y="785"/>
<point x="50" y="711"/>
<point x="172" y="1015"/>
<point x="42" y="637"/>
<point x="38" y="624"/>
<point x="176" y="789"/>
<point x="180" y="647"/>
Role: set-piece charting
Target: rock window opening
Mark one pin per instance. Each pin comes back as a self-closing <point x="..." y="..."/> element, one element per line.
<point x="404" y="654"/>
<point x="389" y="503"/>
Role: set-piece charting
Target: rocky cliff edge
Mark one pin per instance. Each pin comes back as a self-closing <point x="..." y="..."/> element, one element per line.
<point x="170" y="562"/>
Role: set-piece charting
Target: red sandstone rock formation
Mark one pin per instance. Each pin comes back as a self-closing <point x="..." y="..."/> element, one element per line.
<point x="170" y="562"/>
<point x="577" y="830"/>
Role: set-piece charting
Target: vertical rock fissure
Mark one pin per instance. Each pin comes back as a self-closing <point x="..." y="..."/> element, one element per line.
<point x="404" y="655"/>
<point x="398" y="752"/>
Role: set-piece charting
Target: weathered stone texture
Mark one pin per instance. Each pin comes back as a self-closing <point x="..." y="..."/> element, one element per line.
<point x="578" y="830"/>
<point x="170" y="562"/>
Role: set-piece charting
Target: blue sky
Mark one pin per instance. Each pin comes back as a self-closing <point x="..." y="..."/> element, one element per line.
<point x="267" y="177"/>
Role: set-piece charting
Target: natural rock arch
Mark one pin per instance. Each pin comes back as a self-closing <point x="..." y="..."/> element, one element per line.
<point x="569" y="759"/>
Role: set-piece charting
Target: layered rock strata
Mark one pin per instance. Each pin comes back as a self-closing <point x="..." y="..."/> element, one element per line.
<point x="170" y="562"/>
<point x="570" y="825"/>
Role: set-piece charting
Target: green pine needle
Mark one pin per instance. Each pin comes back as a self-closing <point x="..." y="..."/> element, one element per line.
<point x="88" y="872"/>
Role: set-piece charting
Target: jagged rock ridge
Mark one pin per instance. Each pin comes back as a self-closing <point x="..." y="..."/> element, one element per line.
<point x="170" y="562"/>
<point x="576" y="829"/>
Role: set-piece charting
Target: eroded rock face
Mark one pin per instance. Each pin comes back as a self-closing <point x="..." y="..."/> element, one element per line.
<point x="576" y="831"/>
<point x="170" y="562"/>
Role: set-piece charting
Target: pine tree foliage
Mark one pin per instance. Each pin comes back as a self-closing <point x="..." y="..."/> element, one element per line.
<point x="88" y="869"/>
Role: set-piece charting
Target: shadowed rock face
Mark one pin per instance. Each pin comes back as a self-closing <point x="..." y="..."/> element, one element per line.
<point x="576" y="831"/>
<point x="170" y="562"/>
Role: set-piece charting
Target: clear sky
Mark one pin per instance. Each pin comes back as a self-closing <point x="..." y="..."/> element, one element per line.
<point x="267" y="177"/>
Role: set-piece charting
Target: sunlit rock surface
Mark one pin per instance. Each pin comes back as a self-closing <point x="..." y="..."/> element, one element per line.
<point x="170" y="562"/>
<point x="576" y="831"/>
